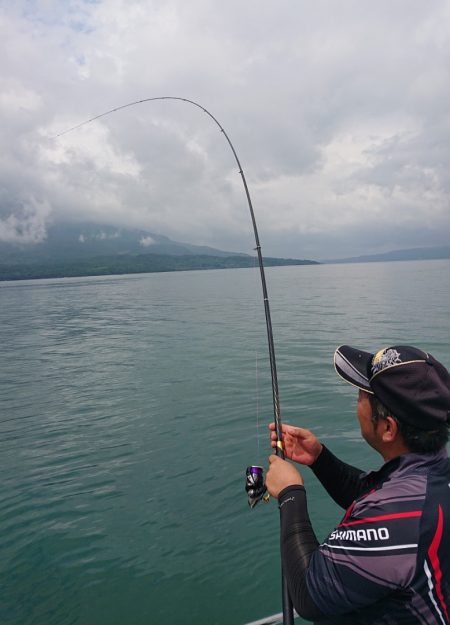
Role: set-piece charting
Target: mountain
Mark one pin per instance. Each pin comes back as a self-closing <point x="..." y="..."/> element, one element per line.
<point x="68" y="242"/>
<point x="418" y="253"/>
<point x="90" y="250"/>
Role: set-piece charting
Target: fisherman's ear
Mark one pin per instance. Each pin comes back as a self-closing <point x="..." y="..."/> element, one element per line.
<point x="390" y="429"/>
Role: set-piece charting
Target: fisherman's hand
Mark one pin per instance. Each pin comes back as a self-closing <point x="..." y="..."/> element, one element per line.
<point x="299" y="444"/>
<point x="280" y="475"/>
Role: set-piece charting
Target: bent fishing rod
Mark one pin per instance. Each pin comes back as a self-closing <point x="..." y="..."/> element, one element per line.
<point x="255" y="481"/>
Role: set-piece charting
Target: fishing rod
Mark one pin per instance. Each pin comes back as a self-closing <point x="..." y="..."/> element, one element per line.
<point x="254" y="476"/>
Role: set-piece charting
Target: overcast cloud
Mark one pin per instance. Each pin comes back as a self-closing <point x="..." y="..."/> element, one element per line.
<point x="339" y="112"/>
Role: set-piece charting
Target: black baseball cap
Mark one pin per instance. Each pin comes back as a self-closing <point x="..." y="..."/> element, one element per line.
<point x="412" y="384"/>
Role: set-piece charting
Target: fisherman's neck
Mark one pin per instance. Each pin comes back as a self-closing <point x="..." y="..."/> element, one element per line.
<point x="394" y="450"/>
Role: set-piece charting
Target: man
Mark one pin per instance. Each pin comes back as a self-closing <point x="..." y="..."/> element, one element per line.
<point x="388" y="561"/>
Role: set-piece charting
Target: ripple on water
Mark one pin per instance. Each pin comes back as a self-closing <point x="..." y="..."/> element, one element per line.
<point x="130" y="409"/>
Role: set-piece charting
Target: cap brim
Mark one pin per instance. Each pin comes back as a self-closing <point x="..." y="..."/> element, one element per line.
<point x="352" y="366"/>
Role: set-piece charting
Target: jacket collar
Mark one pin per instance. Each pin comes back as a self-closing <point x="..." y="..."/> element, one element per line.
<point x="407" y="463"/>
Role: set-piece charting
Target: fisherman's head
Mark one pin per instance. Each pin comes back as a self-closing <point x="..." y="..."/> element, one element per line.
<point x="406" y="388"/>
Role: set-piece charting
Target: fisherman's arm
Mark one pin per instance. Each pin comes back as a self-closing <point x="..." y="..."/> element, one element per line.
<point x="298" y="541"/>
<point x="342" y="481"/>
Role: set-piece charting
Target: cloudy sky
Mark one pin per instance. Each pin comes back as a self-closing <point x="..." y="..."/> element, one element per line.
<point x="339" y="113"/>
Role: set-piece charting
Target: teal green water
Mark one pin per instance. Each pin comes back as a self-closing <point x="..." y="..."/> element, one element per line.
<point x="130" y="409"/>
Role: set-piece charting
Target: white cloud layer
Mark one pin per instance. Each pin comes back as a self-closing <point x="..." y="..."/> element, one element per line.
<point x="147" y="241"/>
<point x="338" y="111"/>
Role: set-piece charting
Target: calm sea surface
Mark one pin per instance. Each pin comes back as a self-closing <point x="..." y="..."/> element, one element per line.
<point x="130" y="408"/>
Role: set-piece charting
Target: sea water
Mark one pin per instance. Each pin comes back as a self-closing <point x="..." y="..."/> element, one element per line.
<point x="131" y="406"/>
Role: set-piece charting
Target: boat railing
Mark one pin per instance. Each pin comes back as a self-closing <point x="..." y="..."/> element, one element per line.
<point x="275" y="619"/>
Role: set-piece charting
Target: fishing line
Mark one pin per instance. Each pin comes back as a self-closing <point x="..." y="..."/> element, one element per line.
<point x="288" y="618"/>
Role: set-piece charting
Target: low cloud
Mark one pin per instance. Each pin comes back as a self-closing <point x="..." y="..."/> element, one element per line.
<point x="98" y="236"/>
<point x="147" y="241"/>
<point x="27" y="225"/>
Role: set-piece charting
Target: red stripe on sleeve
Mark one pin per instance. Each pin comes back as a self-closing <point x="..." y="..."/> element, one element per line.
<point x="434" y="559"/>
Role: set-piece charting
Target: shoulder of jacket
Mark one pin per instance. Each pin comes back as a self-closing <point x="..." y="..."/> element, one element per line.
<point x="395" y="490"/>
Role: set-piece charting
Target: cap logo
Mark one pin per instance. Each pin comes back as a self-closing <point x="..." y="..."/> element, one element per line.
<point x="385" y="358"/>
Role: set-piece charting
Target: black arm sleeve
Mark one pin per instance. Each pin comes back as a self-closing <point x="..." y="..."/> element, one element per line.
<point x="342" y="481"/>
<point x="298" y="543"/>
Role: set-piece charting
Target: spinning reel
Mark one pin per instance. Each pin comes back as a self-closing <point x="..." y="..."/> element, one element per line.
<point x="255" y="485"/>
